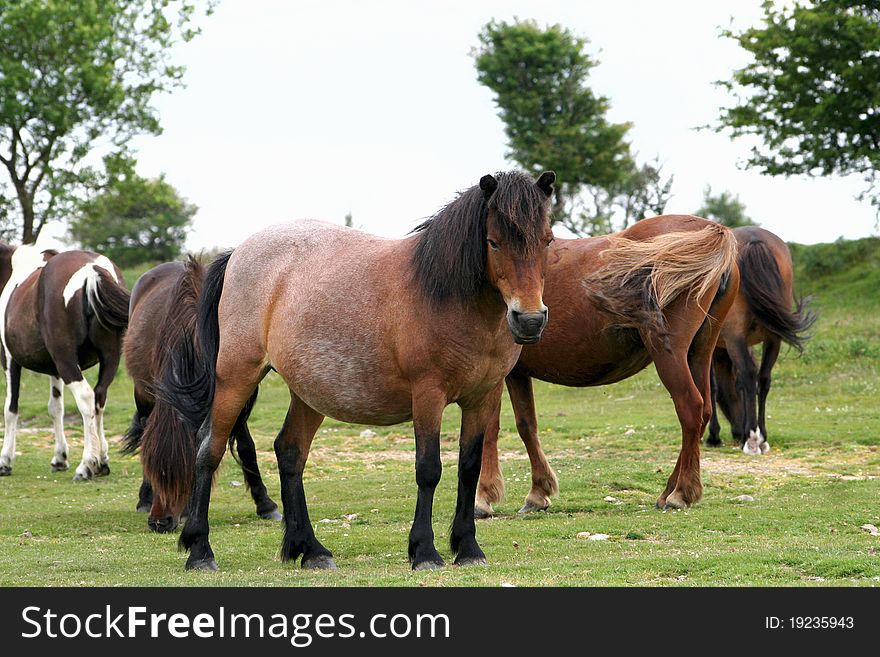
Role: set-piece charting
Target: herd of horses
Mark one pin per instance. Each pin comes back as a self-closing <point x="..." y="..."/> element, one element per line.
<point x="380" y="331"/>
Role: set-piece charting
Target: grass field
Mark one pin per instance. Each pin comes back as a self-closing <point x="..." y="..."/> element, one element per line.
<point x="812" y="493"/>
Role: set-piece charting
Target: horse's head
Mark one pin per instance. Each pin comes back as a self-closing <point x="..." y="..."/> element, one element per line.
<point x="518" y="237"/>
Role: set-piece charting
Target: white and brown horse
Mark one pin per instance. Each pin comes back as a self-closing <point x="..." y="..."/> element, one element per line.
<point x="61" y="313"/>
<point x="371" y="331"/>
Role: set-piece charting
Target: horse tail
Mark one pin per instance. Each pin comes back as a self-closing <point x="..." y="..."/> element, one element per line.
<point x="169" y="443"/>
<point x="764" y="291"/>
<point x="131" y="441"/>
<point x="639" y="279"/>
<point x="108" y="299"/>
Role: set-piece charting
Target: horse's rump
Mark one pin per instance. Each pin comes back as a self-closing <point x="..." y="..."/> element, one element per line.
<point x="638" y="279"/>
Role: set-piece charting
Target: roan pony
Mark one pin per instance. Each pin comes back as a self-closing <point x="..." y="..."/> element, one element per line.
<point x="161" y="318"/>
<point x="372" y="331"/>
<point x="761" y="313"/>
<point x="61" y="313"/>
<point x="658" y="291"/>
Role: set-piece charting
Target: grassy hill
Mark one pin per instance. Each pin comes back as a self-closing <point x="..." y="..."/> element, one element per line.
<point x="815" y="489"/>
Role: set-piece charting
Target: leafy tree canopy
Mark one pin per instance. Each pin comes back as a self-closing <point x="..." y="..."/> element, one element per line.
<point x="553" y="120"/>
<point x="134" y="220"/>
<point x="811" y="94"/>
<point x="76" y="76"/>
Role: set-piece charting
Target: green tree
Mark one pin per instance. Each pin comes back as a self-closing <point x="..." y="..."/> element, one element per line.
<point x="725" y="208"/>
<point x="76" y="75"/>
<point x="811" y="94"/>
<point x="134" y="220"/>
<point x="553" y="120"/>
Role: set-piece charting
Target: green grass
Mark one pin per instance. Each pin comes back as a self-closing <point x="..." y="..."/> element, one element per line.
<point x="818" y="485"/>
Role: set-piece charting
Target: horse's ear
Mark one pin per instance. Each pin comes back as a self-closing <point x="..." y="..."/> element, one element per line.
<point x="545" y="182"/>
<point x="488" y="184"/>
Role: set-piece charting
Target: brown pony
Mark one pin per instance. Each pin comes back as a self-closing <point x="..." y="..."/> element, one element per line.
<point x="371" y="331"/>
<point x="161" y="316"/>
<point x="659" y="292"/>
<point x="61" y="313"/>
<point x="761" y="313"/>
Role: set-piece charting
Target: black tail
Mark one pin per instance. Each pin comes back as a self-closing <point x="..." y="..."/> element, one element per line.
<point x="762" y="286"/>
<point x="109" y="301"/>
<point x="131" y="441"/>
<point x="170" y="442"/>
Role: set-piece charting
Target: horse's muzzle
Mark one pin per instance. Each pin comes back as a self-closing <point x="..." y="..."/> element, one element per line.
<point x="526" y="327"/>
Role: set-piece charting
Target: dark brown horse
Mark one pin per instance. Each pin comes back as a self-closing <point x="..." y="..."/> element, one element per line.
<point x="60" y="314"/>
<point x="761" y="313"/>
<point x="659" y="292"/>
<point x="371" y="331"/>
<point x="161" y="316"/>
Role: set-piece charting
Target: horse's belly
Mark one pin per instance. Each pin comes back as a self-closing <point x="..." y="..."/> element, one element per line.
<point x="353" y="403"/>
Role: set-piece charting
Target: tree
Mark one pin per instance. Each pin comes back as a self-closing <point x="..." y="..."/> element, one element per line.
<point x="725" y="208"/>
<point x="134" y="220"/>
<point x="811" y="93"/>
<point x="76" y="76"/>
<point x="553" y="120"/>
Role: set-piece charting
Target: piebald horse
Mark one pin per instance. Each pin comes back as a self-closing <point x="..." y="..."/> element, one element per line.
<point x="161" y="317"/>
<point x="61" y="313"/>
<point x="763" y="312"/>
<point x="371" y="331"/>
<point x="658" y="291"/>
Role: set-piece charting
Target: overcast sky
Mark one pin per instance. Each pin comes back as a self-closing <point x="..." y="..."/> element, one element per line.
<point x="314" y="109"/>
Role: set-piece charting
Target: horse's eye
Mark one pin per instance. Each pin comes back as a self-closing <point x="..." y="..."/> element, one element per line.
<point x="493" y="244"/>
<point x="549" y="242"/>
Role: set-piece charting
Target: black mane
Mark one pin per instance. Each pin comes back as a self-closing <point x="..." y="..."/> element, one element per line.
<point x="450" y="258"/>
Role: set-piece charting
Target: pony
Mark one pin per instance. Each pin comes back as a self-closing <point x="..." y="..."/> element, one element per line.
<point x="658" y="291"/>
<point x="161" y="315"/>
<point x="61" y="313"/>
<point x="368" y="330"/>
<point x="765" y="312"/>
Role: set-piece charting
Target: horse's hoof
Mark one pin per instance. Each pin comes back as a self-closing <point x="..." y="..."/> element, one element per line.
<point x="59" y="467"/>
<point x="321" y="562"/>
<point x="481" y="513"/>
<point x="202" y="564"/>
<point x="163" y="525"/>
<point x="271" y="515"/>
<point x="675" y="501"/>
<point x="471" y="561"/>
<point x="430" y="564"/>
<point x="714" y="443"/>
<point x="83" y="476"/>
<point x="144" y="507"/>
<point x="103" y="470"/>
<point x="5" y="470"/>
<point x="530" y="506"/>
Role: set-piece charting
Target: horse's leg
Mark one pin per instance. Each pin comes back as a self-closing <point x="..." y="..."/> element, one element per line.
<point x="768" y="360"/>
<point x="714" y="439"/>
<point x="684" y="486"/>
<point x="474" y="423"/>
<point x="143" y="407"/>
<point x="13" y="385"/>
<point x="491" y="487"/>
<point x="247" y="454"/>
<point x="292" y="450"/>
<point x="428" y="405"/>
<point x="235" y="383"/>
<point x="90" y="466"/>
<point x="746" y="376"/>
<point x="56" y="412"/>
<point x="145" y="497"/>
<point x="109" y="363"/>
<point x="544" y="482"/>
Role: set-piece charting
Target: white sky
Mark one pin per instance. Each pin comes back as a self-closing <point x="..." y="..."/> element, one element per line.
<point x="315" y="109"/>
